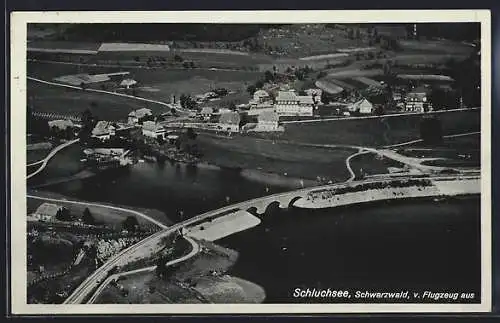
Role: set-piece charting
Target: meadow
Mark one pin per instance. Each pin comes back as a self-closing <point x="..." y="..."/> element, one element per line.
<point x="378" y="131"/>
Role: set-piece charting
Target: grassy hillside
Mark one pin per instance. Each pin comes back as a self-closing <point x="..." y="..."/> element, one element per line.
<point x="378" y="132"/>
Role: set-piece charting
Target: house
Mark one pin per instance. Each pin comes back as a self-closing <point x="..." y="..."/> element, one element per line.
<point x="362" y="106"/>
<point x="268" y="121"/>
<point x="127" y="83"/>
<point x="206" y="113"/>
<point x="48" y="212"/>
<point x="288" y="103"/>
<point x="417" y="100"/>
<point x="397" y="97"/>
<point x="316" y="94"/>
<point x="229" y="121"/>
<point x="261" y="96"/>
<point x="103" y="130"/>
<point x="152" y="129"/>
<point x="135" y="116"/>
<point x="61" y="124"/>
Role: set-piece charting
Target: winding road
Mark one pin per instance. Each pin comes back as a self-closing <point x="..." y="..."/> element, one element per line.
<point x="195" y="248"/>
<point x="53" y="152"/>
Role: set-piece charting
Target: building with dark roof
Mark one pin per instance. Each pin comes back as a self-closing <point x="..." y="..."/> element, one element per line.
<point x="417" y="100"/>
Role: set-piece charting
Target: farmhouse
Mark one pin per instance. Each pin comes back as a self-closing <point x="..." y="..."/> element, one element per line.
<point x="362" y="106"/>
<point x="260" y="96"/>
<point x="103" y="130"/>
<point x="316" y="94"/>
<point x="288" y="103"/>
<point x="61" y="124"/>
<point x="417" y="100"/>
<point x="230" y="121"/>
<point x="152" y="129"/>
<point x="48" y="212"/>
<point x="135" y="116"/>
<point x="268" y="121"/>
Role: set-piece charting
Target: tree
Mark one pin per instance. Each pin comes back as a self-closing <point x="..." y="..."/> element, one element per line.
<point x="358" y="33"/>
<point x="161" y="267"/>
<point x="63" y="215"/>
<point x="130" y="223"/>
<point x="324" y="98"/>
<point x="87" y="217"/>
<point x="259" y="84"/>
<point x="268" y="76"/>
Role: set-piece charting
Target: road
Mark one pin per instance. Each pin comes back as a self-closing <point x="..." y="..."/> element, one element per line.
<point x="348" y="164"/>
<point x="49" y="156"/>
<point x="195" y="248"/>
<point x="133" y="212"/>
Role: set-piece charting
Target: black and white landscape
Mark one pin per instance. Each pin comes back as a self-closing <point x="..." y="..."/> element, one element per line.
<point x="182" y="163"/>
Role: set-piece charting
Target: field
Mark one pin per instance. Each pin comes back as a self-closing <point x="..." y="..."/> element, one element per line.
<point x="36" y="155"/>
<point x="48" y="98"/>
<point x="436" y="46"/>
<point x="377" y="131"/>
<point x="371" y="164"/>
<point x="156" y="84"/>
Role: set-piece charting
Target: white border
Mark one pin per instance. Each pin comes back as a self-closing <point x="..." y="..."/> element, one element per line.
<point x="18" y="31"/>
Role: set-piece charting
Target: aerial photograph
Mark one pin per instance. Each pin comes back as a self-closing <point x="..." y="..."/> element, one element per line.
<point x="217" y="163"/>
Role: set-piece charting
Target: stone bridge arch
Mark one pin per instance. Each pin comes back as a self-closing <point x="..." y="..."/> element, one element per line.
<point x="284" y="201"/>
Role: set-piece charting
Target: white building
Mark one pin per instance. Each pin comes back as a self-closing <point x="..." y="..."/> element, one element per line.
<point x="288" y="103"/>
<point x="261" y="96"/>
<point x="268" y="121"/>
<point x="418" y="100"/>
<point x="135" y="116"/>
<point x="47" y="212"/>
<point x="127" y="83"/>
<point x="229" y="121"/>
<point x="103" y="130"/>
<point x="206" y="113"/>
<point x="61" y="124"/>
<point x="362" y="106"/>
<point x="153" y="130"/>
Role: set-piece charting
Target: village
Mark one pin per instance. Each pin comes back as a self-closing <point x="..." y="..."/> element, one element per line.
<point x="126" y="139"/>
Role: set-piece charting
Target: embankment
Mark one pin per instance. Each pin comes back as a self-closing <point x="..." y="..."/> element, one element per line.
<point x="389" y="190"/>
